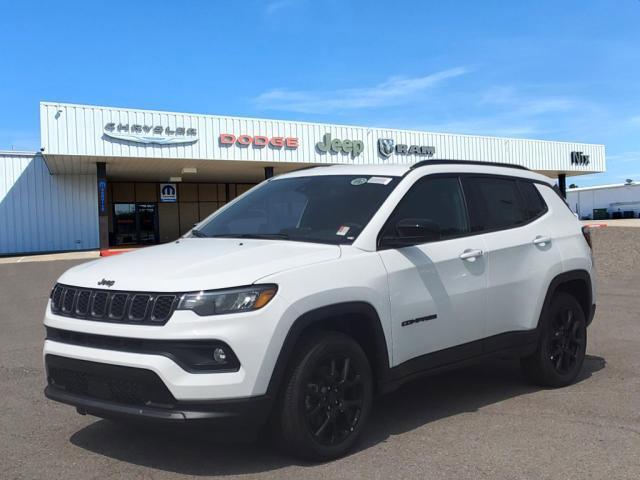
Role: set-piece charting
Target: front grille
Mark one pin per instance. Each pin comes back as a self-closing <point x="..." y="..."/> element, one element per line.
<point x="162" y="308"/>
<point x="138" y="308"/>
<point x="82" y="304"/>
<point x="113" y="306"/>
<point x="68" y="298"/>
<point x="118" y="305"/>
<point x="126" y="385"/>
<point x="100" y="300"/>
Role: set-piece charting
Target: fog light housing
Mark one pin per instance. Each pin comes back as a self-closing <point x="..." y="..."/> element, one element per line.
<point x="219" y="355"/>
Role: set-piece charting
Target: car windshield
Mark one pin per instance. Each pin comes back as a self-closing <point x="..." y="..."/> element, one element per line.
<point x="324" y="209"/>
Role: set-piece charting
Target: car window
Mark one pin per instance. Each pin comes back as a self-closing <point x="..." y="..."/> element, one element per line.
<point x="438" y="200"/>
<point x="493" y="203"/>
<point x="533" y="202"/>
<point x="318" y="208"/>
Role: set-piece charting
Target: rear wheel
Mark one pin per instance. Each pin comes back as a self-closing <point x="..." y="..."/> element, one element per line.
<point x="562" y="344"/>
<point x="327" y="397"/>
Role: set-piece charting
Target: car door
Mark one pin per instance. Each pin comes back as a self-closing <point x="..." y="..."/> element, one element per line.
<point x="511" y="217"/>
<point x="436" y="289"/>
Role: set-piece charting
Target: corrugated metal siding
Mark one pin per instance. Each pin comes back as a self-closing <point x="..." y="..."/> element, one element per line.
<point x="79" y="130"/>
<point x="43" y="212"/>
<point x="618" y="198"/>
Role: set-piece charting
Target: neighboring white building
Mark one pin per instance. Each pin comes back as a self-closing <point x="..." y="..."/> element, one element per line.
<point x="114" y="176"/>
<point x="621" y="197"/>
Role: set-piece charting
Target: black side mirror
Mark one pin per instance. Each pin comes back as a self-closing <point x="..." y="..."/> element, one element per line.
<point x="413" y="231"/>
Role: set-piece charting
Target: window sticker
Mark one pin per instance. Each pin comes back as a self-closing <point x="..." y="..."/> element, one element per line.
<point x="343" y="230"/>
<point x="380" y="180"/>
<point x="358" y="181"/>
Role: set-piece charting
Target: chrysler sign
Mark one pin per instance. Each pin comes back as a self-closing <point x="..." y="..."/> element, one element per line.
<point x="150" y="134"/>
<point x="387" y="146"/>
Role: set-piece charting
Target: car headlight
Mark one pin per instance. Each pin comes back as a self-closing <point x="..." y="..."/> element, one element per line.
<point x="233" y="300"/>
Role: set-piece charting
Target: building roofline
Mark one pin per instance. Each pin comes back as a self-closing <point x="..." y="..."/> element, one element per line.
<point x="18" y="153"/>
<point x="233" y="117"/>
<point x="603" y="187"/>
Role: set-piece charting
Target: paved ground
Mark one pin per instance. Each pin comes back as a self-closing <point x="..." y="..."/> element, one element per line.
<point x="623" y="222"/>
<point x="481" y="422"/>
<point x="50" y="257"/>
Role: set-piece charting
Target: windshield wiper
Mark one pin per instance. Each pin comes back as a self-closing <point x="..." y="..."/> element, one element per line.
<point x="198" y="233"/>
<point x="282" y="236"/>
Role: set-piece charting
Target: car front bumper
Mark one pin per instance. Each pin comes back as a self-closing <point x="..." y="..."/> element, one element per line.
<point x="112" y="391"/>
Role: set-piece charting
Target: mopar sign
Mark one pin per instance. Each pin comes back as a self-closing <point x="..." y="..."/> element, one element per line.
<point x="168" y="192"/>
<point x="102" y="197"/>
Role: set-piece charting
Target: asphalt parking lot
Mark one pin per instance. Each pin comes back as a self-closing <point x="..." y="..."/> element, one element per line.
<point x="480" y="422"/>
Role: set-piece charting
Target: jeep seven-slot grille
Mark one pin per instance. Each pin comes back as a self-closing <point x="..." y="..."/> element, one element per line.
<point x="117" y="306"/>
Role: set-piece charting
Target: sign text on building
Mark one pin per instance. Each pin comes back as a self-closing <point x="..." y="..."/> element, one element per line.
<point x="354" y="147"/>
<point x="579" y="158"/>
<point x="387" y="146"/>
<point x="258" y="141"/>
<point x="148" y="134"/>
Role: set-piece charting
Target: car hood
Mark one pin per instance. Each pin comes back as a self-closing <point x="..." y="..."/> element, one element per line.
<point x="192" y="264"/>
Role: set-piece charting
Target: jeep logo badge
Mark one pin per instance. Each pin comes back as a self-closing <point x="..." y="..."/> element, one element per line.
<point x="107" y="283"/>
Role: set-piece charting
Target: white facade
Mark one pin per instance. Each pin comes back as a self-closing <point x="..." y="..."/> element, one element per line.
<point x="615" y="198"/>
<point x="74" y="135"/>
<point x="48" y="201"/>
<point x="40" y="212"/>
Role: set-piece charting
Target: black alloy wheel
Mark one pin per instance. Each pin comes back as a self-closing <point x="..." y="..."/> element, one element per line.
<point x="334" y="399"/>
<point x="566" y="341"/>
<point x="327" y="397"/>
<point x="562" y="345"/>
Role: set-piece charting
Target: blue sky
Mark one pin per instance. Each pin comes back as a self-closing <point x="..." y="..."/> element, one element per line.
<point x="563" y="70"/>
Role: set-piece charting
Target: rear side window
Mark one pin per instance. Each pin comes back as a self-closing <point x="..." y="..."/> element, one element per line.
<point x="532" y="200"/>
<point x="494" y="203"/>
<point x="436" y="199"/>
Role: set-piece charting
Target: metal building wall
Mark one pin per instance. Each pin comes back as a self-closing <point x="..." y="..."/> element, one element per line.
<point x="78" y="131"/>
<point x="614" y="198"/>
<point x="40" y="212"/>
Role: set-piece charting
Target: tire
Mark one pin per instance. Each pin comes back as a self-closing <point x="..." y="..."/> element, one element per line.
<point x="326" y="398"/>
<point x="562" y="345"/>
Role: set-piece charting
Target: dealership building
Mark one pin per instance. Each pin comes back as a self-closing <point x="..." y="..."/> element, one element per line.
<point x="620" y="200"/>
<point x="107" y="177"/>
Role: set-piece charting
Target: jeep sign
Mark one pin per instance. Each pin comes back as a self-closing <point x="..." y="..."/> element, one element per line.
<point x="354" y="147"/>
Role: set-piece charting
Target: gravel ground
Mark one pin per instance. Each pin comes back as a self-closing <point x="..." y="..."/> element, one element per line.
<point x="480" y="422"/>
<point x="617" y="252"/>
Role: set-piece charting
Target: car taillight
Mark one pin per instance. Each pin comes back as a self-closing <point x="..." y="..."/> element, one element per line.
<point x="586" y="231"/>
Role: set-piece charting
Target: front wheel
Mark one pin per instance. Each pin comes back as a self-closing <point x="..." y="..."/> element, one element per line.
<point x="562" y="344"/>
<point x="327" y="397"/>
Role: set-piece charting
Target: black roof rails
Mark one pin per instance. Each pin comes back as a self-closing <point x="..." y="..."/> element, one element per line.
<point x="425" y="163"/>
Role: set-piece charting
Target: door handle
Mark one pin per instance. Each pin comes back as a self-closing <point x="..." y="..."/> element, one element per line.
<point x="542" y="241"/>
<point x="470" y="255"/>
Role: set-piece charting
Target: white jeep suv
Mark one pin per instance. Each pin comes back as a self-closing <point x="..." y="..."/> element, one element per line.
<point x="318" y="289"/>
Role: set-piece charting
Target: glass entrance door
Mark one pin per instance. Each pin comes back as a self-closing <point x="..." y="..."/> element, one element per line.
<point x="147" y="215"/>
<point x="135" y="223"/>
